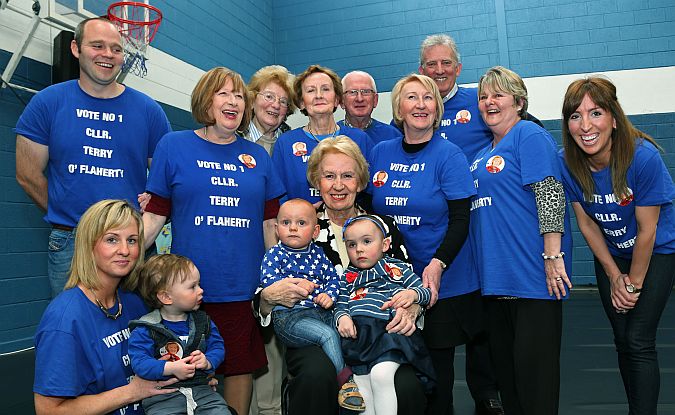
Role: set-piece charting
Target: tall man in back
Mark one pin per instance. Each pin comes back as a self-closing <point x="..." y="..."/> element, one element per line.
<point x="359" y="100"/>
<point x="93" y="135"/>
<point x="457" y="317"/>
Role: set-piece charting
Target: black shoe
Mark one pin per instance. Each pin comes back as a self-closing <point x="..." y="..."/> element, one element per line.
<point x="489" y="407"/>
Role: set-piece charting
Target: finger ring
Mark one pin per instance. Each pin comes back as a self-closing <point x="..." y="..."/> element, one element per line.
<point x="558" y="279"/>
<point x="158" y="387"/>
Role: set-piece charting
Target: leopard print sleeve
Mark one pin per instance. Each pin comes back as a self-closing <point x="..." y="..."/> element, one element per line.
<point x="550" y="198"/>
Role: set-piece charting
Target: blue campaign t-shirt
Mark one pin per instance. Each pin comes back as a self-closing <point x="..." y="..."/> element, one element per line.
<point x="414" y="188"/>
<point x="291" y="153"/>
<point x="218" y="195"/>
<point x="98" y="148"/>
<point x="79" y="351"/>
<point x="505" y="234"/>
<point x="379" y="131"/>
<point x="650" y="184"/>
<point x="462" y="123"/>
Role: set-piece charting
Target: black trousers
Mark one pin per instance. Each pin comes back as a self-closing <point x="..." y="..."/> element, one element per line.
<point x="525" y="336"/>
<point x="450" y="323"/>
<point x="312" y="388"/>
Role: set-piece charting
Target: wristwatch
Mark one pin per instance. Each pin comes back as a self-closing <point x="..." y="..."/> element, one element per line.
<point x="632" y="289"/>
<point x="441" y="263"/>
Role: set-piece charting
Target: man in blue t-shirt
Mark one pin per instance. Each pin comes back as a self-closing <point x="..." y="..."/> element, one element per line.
<point x="359" y="100"/>
<point x="463" y="125"/>
<point x="94" y="137"/>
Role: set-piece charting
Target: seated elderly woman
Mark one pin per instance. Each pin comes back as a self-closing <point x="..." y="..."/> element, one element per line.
<point x="339" y="171"/>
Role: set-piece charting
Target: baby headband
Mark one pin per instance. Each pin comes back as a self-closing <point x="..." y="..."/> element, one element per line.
<point x="377" y="221"/>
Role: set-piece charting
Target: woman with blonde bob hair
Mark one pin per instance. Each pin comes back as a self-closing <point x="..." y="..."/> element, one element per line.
<point x="519" y="227"/>
<point x="622" y="193"/>
<point x="428" y="186"/>
<point x="85" y="325"/>
<point x="219" y="188"/>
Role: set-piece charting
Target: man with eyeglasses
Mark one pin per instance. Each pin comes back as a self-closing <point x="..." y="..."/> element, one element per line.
<point x="359" y="101"/>
<point x="457" y="318"/>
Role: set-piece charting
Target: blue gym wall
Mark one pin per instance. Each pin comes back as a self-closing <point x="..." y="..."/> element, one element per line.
<point x="535" y="38"/>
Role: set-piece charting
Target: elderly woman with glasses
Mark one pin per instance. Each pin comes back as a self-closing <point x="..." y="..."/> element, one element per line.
<point x="318" y="92"/>
<point x="271" y="92"/>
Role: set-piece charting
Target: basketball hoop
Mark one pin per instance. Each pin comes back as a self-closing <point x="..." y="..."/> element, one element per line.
<point x="137" y="23"/>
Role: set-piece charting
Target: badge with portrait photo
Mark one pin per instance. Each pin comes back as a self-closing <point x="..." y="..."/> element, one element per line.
<point x="380" y="178"/>
<point x="247" y="160"/>
<point x="299" y="148"/>
<point x="171" y="351"/>
<point x="495" y="164"/>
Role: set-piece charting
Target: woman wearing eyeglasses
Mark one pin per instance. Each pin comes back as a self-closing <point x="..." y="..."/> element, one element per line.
<point x="318" y="92"/>
<point x="271" y="92"/>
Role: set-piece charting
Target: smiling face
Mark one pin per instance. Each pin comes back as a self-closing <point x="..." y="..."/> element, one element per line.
<point x="270" y="115"/>
<point x="417" y="107"/>
<point x="296" y="223"/>
<point x="499" y="111"/>
<point x="227" y="108"/>
<point x="318" y="95"/>
<point x="365" y="243"/>
<point x="186" y="295"/>
<point x="116" y="252"/>
<point x="338" y="181"/>
<point x="101" y="55"/>
<point x="441" y="65"/>
<point x="359" y="105"/>
<point x="591" y="127"/>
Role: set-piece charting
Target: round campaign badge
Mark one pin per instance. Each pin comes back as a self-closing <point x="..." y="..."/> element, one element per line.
<point x="495" y="164"/>
<point x="247" y="160"/>
<point x="380" y="178"/>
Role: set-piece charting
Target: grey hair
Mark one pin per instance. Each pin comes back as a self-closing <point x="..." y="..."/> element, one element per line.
<point x="366" y="74"/>
<point x="436" y="40"/>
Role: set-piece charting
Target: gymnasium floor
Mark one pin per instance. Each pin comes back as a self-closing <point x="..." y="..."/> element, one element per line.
<point x="590" y="377"/>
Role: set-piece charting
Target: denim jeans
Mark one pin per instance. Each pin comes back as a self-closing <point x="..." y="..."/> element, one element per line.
<point x="302" y="327"/>
<point x="635" y="331"/>
<point x="61" y="247"/>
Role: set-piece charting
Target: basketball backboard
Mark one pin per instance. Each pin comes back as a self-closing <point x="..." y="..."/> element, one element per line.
<point x="70" y="12"/>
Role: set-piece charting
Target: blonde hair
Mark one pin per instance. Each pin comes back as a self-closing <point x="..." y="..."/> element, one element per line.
<point x="207" y="86"/>
<point x="501" y="79"/>
<point x="160" y="273"/>
<point x="603" y="93"/>
<point x="312" y="69"/>
<point x="430" y="86"/>
<point x="100" y="218"/>
<point x="338" y="145"/>
<point x="276" y="74"/>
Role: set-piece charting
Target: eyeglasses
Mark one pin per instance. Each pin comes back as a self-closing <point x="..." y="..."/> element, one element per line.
<point x="355" y="92"/>
<point x="270" y="97"/>
<point x="445" y="63"/>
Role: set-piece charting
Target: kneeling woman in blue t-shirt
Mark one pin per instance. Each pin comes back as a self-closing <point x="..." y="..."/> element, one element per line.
<point x="81" y="359"/>
<point x="622" y="195"/>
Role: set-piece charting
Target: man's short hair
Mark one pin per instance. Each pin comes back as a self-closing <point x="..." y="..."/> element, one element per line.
<point x="79" y="30"/>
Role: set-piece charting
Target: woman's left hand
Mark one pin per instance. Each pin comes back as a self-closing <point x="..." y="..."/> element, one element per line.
<point x="556" y="277"/>
<point x="404" y="320"/>
<point x="431" y="278"/>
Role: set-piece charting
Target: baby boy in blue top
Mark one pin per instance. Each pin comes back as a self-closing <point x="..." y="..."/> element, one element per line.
<point x="310" y="321"/>
<point x="176" y="339"/>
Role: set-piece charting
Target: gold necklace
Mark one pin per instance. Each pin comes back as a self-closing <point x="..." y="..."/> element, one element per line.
<point x="332" y="135"/>
<point x="104" y="309"/>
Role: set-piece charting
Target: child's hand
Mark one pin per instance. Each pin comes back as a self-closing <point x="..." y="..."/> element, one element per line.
<point x="404" y="299"/>
<point x="346" y="327"/>
<point x="182" y="369"/>
<point x="200" y="361"/>
<point x="324" y="300"/>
